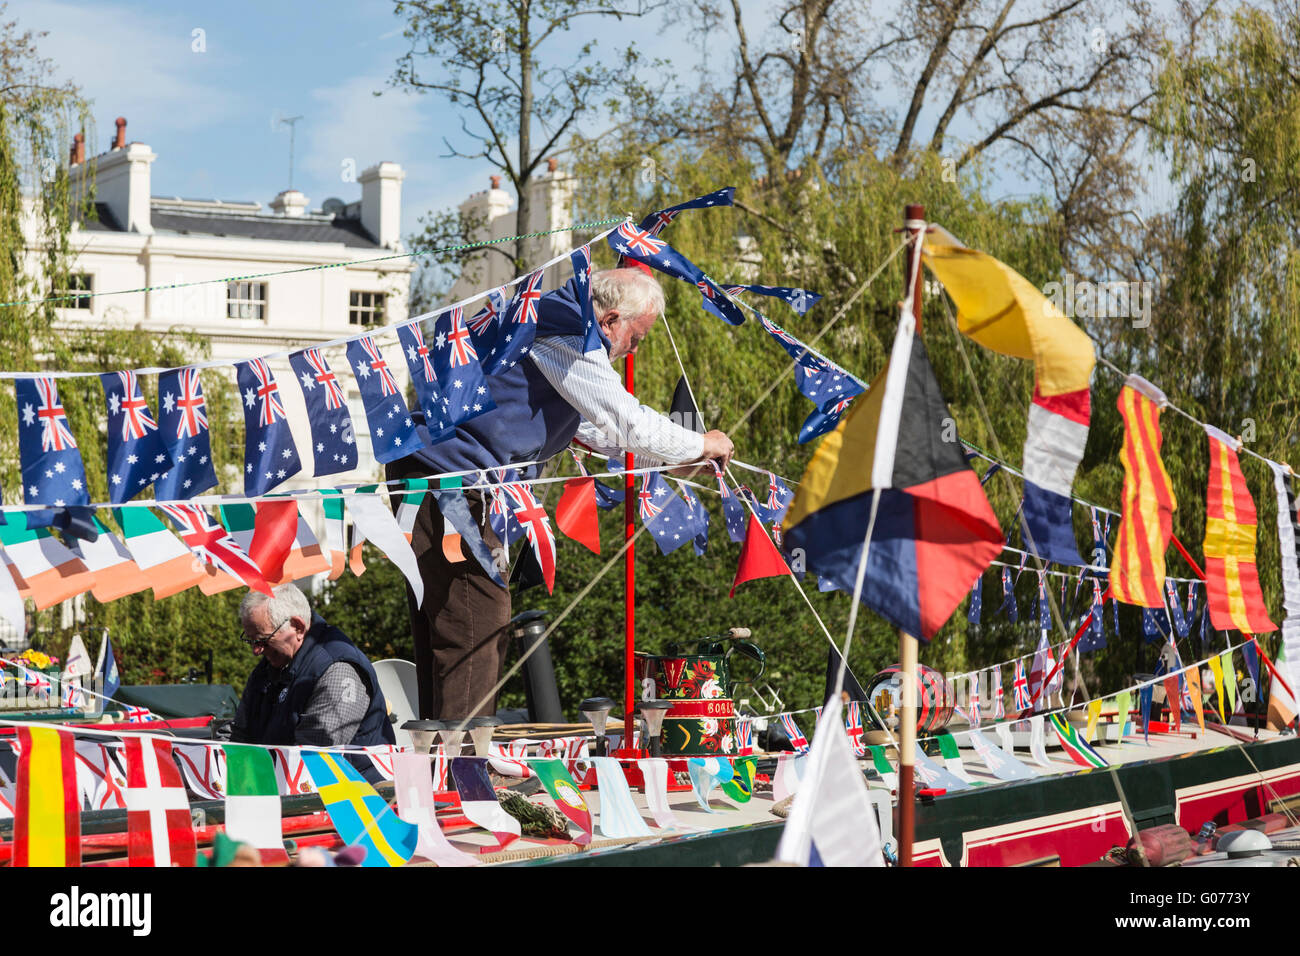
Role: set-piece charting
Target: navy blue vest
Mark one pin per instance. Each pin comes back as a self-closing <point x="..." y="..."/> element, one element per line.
<point x="532" y="421"/>
<point x="273" y="700"/>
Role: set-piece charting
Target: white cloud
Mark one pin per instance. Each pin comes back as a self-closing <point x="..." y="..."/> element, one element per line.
<point x="136" y="65"/>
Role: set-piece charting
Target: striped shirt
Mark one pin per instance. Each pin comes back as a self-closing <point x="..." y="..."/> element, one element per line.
<point x="613" y="420"/>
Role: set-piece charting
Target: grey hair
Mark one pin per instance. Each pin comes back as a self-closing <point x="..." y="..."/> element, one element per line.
<point x="630" y="291"/>
<point x="286" y="601"/>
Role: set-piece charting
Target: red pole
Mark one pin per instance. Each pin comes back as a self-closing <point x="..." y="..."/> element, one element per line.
<point x="629" y="565"/>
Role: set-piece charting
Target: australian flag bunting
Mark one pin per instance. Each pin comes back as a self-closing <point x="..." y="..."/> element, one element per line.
<point x="699" y="519"/>
<point x="1181" y="624"/>
<point x="53" y="473"/>
<point x="976" y="602"/>
<point x="581" y="260"/>
<point x="1008" y="597"/>
<point x="716" y="302"/>
<point x="501" y="516"/>
<point x="1044" y="611"/>
<point x="655" y="222"/>
<point x="270" y="456"/>
<point x="183" y="423"/>
<point x="832" y="390"/>
<point x="392" y="433"/>
<point x="801" y="300"/>
<point x="633" y="242"/>
<point x="667" y="517"/>
<point x="464" y="390"/>
<point x="137" y="454"/>
<point x="532" y="517"/>
<point x="484" y="323"/>
<point x="775" y="501"/>
<point x="419" y="360"/>
<point x="1095" y="637"/>
<point x="333" y="439"/>
<point x="606" y="496"/>
<point x="733" y="509"/>
<point x="793" y="347"/>
<point x="518" y="327"/>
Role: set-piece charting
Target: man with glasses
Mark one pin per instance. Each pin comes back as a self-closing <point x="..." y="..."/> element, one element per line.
<point x="312" y="685"/>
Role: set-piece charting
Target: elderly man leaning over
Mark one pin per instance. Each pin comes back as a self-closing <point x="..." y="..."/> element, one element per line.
<point x="312" y="685"/>
<point x="557" y="393"/>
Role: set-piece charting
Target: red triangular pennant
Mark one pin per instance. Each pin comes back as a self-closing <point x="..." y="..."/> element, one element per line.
<point x="758" y="556"/>
<point x="274" y="531"/>
<point x="576" y="513"/>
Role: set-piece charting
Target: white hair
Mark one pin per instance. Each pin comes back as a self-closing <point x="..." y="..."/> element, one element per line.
<point x="630" y="291"/>
<point x="286" y="601"/>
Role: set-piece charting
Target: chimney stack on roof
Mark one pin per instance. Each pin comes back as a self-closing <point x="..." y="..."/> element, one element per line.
<point x="78" y="152"/>
<point x="496" y="182"/>
<point x="552" y="164"/>
<point x="120" y="139"/>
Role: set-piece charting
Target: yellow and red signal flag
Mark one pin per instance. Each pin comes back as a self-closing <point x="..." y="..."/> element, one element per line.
<point x="1231" y="577"/>
<point x="1137" y="571"/>
<point x="47" y="818"/>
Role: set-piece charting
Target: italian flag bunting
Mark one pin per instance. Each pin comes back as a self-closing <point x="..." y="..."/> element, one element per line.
<point x="253" y="802"/>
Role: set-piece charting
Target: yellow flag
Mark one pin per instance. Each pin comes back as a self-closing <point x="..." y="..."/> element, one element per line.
<point x="1094" y="712"/>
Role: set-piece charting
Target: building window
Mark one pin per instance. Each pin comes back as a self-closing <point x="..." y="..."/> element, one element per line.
<point x="246" y="300"/>
<point x="77" y="282"/>
<point x="365" y="308"/>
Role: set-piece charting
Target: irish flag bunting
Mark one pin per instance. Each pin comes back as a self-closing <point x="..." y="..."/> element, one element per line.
<point x="107" y="558"/>
<point x="253" y="801"/>
<point x="1231" y="578"/>
<point x="47" y="821"/>
<point x="50" y="572"/>
<point x="159" y="829"/>
<point x="1138" y="569"/>
<point x="169" y="565"/>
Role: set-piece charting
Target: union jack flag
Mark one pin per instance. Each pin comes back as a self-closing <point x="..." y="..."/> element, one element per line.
<point x="532" y="517"/>
<point x="777" y="332"/>
<point x="797" y="739"/>
<point x="138" y="715"/>
<point x="272" y="409"/>
<point x="661" y="219"/>
<point x="854" y="727"/>
<point x="1021" y="686"/>
<point x="327" y="380"/>
<point x="639" y="241"/>
<point x="998" y="711"/>
<point x="774" y="500"/>
<point x="706" y="288"/>
<point x="462" y="350"/>
<point x="214" y="545"/>
<point x="528" y="299"/>
<point x="744" y="735"/>
<point x="193" y="409"/>
<point x="35" y="680"/>
<point x="136" y="420"/>
<point x="647" y="507"/>
<point x="975" y="700"/>
<point x="387" y="384"/>
<point x="55" y="433"/>
<point x="72" y="695"/>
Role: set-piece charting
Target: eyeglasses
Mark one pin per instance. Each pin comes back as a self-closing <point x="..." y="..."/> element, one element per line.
<point x="256" y="639"/>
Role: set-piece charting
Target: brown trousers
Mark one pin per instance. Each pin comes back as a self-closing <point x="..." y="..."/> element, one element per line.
<point x="462" y="629"/>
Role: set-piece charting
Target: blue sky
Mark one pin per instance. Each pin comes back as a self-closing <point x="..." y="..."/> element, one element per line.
<point x="210" y="115"/>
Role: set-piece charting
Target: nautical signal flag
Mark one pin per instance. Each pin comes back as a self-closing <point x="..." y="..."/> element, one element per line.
<point x="183" y="423"/>
<point x="1137" y="573"/>
<point x="759" y="557"/>
<point x="360" y="815"/>
<point x="137" y="452"/>
<point x="53" y="473"/>
<point x="576" y="514"/>
<point x="47" y="814"/>
<point x="1001" y="310"/>
<point x="1231" y="578"/>
<point x="935" y="531"/>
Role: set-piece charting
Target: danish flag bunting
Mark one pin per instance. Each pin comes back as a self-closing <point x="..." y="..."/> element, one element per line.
<point x="137" y="453"/>
<point x="270" y="456"/>
<point x="159" y="828"/>
<point x="464" y="390"/>
<point x="392" y="432"/>
<point x="51" y="463"/>
<point x="214" y="545"/>
<point x="183" y="424"/>
<point x="537" y="526"/>
<point x="333" y="437"/>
